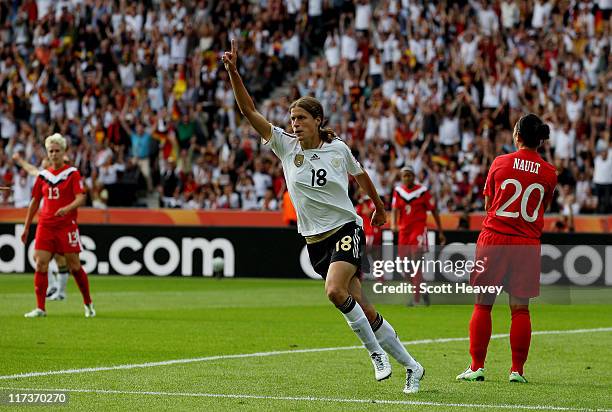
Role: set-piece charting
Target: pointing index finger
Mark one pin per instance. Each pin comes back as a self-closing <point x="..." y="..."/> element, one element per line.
<point x="233" y="42"/>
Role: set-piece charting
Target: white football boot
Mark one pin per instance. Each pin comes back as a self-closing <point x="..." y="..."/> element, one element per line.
<point x="57" y="295"/>
<point x="36" y="313"/>
<point x="382" y="367"/>
<point x="413" y="379"/>
<point x="90" y="312"/>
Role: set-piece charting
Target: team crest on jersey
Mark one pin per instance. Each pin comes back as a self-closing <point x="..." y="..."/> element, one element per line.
<point x="298" y="160"/>
<point x="336" y="162"/>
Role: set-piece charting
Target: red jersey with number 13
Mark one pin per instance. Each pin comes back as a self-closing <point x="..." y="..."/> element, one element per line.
<point x="520" y="186"/>
<point x="57" y="188"/>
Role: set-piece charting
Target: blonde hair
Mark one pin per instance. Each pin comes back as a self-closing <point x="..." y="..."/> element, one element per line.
<point x="55" y="138"/>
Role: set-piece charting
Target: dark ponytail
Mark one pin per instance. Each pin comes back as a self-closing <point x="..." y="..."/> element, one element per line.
<point x="326" y="134"/>
<point x="532" y="130"/>
<point x="312" y="106"/>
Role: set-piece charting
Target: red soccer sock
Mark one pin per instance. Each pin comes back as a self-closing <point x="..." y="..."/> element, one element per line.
<point x="83" y="283"/>
<point x="40" y="288"/>
<point x="520" y="338"/>
<point x="480" y="334"/>
<point x="416" y="281"/>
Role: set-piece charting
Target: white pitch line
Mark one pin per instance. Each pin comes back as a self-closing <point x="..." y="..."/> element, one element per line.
<point x="274" y="353"/>
<point x="311" y="399"/>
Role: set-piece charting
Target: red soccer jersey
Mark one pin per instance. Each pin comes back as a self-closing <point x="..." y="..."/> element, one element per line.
<point x="57" y="188"/>
<point x="413" y="205"/>
<point x="520" y="186"/>
<point x="365" y="210"/>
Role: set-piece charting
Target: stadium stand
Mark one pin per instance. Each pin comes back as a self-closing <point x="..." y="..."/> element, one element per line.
<point x="139" y="90"/>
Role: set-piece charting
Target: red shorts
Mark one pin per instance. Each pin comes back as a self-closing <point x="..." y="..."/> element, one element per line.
<point x="58" y="239"/>
<point x="509" y="261"/>
<point x="416" y="238"/>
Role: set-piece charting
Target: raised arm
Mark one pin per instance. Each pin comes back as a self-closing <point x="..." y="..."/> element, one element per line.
<point x="245" y="103"/>
<point x="28" y="167"/>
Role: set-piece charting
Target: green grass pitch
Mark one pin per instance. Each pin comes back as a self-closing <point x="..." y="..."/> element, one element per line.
<point x="147" y="319"/>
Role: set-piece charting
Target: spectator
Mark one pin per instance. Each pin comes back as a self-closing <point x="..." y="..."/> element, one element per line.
<point x="510" y="14"/>
<point x="584" y="195"/>
<point x="291" y="50"/>
<point x="541" y="14"/>
<point x="229" y="199"/>
<point x="261" y="180"/>
<point x="435" y="85"/>
<point x="564" y="141"/>
<point x="249" y="200"/>
<point x="109" y="172"/>
<point x="22" y="189"/>
<point x="602" y="178"/>
<point x="268" y="202"/>
<point x="363" y="14"/>
<point x="178" y="46"/>
<point x="141" y="149"/>
<point x="186" y="131"/>
<point x="169" y="183"/>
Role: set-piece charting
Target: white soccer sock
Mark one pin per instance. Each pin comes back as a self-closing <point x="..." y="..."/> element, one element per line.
<point x="51" y="282"/>
<point x="358" y="322"/>
<point x="391" y="344"/>
<point x="62" y="281"/>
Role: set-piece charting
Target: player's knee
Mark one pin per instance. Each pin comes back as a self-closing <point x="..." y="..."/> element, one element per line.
<point x="42" y="266"/>
<point x="336" y="294"/>
<point x="74" y="267"/>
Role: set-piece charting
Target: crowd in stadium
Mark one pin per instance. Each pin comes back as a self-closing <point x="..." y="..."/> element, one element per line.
<point x="139" y="91"/>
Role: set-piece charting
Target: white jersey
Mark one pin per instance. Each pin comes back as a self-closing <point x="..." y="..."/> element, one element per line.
<point x="317" y="180"/>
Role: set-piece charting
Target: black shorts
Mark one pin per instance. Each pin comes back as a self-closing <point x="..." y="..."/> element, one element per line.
<point x="346" y="245"/>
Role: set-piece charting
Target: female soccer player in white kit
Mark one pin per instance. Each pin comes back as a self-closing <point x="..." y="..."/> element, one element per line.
<point x="316" y="165"/>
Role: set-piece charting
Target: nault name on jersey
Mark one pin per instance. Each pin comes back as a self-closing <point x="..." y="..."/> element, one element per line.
<point x="526" y="165"/>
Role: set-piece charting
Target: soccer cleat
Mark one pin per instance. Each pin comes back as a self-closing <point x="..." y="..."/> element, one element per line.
<point x="51" y="291"/>
<point x="382" y="367"/>
<point x="57" y="296"/>
<point x="471" y="376"/>
<point x="90" y="312"/>
<point x="517" y="377"/>
<point x="36" y="313"/>
<point x="413" y="379"/>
